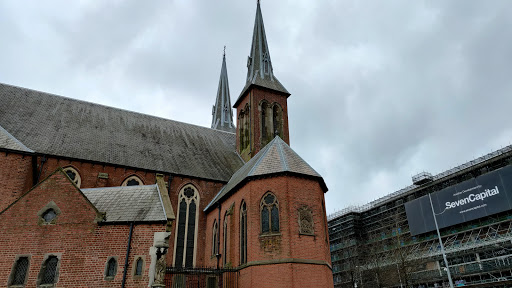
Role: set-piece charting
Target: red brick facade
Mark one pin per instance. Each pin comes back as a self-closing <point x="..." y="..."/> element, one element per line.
<point x="15" y="176"/>
<point x="292" y="255"/>
<point x="82" y="245"/>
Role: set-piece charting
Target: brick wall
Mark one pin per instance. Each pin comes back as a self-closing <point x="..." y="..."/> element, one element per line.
<point x="84" y="245"/>
<point x="292" y="193"/>
<point x="15" y="177"/>
<point x="89" y="172"/>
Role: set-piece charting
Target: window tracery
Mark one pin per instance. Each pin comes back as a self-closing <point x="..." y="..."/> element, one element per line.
<point x="132" y="181"/>
<point x="73" y="175"/>
<point x="186" y="228"/>
<point x="269" y="208"/>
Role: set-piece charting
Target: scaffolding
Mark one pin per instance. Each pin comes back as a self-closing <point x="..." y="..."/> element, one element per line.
<point x="371" y="245"/>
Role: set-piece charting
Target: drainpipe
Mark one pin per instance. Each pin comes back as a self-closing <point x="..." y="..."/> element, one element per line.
<point x="127" y="255"/>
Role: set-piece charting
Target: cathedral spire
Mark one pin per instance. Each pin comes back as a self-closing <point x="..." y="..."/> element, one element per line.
<point x="259" y="65"/>
<point x="222" y="113"/>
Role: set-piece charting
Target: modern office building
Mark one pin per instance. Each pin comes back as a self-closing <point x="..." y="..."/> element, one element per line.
<point x="392" y="241"/>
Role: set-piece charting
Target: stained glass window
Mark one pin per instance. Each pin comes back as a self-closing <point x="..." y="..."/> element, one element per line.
<point x="186" y="228"/>
<point x="269" y="214"/>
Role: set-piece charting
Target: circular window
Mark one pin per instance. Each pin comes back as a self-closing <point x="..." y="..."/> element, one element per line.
<point x="132" y="181"/>
<point x="73" y="175"/>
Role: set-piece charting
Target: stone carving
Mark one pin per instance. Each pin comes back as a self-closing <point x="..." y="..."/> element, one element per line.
<point x="159" y="250"/>
<point x="306" y="221"/>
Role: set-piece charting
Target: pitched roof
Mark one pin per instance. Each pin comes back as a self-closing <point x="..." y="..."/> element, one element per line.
<point x="275" y="158"/>
<point x="65" y="127"/>
<point x="222" y="112"/>
<point x="128" y="203"/>
<point x="259" y="64"/>
<point x="7" y="141"/>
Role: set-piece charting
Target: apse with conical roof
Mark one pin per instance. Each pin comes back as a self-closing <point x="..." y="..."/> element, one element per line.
<point x="222" y="118"/>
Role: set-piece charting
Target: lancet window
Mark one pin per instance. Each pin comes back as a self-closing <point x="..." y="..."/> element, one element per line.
<point x="186" y="229"/>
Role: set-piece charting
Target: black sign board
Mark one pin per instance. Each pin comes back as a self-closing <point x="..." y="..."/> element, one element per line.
<point x="484" y="195"/>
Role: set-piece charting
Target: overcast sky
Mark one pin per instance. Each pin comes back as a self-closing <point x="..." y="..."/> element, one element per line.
<point x="381" y="90"/>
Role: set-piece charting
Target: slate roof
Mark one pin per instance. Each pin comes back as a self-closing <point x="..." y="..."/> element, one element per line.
<point x="276" y="157"/>
<point x="7" y="141"/>
<point x="259" y="55"/>
<point x="128" y="203"/>
<point x="60" y="126"/>
<point x="222" y="112"/>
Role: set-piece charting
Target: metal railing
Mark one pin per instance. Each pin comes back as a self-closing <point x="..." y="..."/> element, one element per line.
<point x="204" y="277"/>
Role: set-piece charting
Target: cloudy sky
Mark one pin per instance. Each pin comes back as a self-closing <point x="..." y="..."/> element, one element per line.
<point x="381" y="90"/>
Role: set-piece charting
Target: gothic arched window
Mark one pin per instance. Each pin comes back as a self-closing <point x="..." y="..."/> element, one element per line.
<point x="215" y="234"/>
<point x="49" y="271"/>
<point x="243" y="233"/>
<point x="225" y="240"/>
<point x="277" y="120"/>
<point x="73" y="175"/>
<point x="139" y="267"/>
<point x="186" y="230"/>
<point x="269" y="208"/>
<point x="19" y="272"/>
<point x="241" y="129"/>
<point x="132" y="181"/>
<point x="266" y="131"/>
<point x="111" y="269"/>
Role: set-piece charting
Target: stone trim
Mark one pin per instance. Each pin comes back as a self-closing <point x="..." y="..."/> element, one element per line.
<point x="134" y="266"/>
<point x="41" y="271"/>
<point x="286" y="261"/>
<point x="50" y="205"/>
<point x="110" y="278"/>
<point x="11" y="275"/>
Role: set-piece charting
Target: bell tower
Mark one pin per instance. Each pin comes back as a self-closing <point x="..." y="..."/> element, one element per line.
<point x="262" y="110"/>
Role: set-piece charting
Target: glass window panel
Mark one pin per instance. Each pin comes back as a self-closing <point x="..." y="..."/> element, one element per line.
<point x="265" y="225"/>
<point x="269" y="199"/>
<point x="133" y="182"/>
<point x="138" y="267"/>
<point x="191" y="229"/>
<point x="275" y="218"/>
<point x="71" y="174"/>
<point x="181" y="234"/>
<point x="20" y="271"/>
<point x="50" y="270"/>
<point x="111" y="267"/>
<point x="49" y="215"/>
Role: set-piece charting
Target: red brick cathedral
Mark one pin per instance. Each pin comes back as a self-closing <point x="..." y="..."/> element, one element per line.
<point x="94" y="196"/>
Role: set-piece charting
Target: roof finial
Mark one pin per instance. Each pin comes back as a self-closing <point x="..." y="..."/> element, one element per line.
<point x="224" y="51"/>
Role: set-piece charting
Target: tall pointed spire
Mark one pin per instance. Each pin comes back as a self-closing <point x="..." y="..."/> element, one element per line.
<point x="259" y="65"/>
<point x="222" y="113"/>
